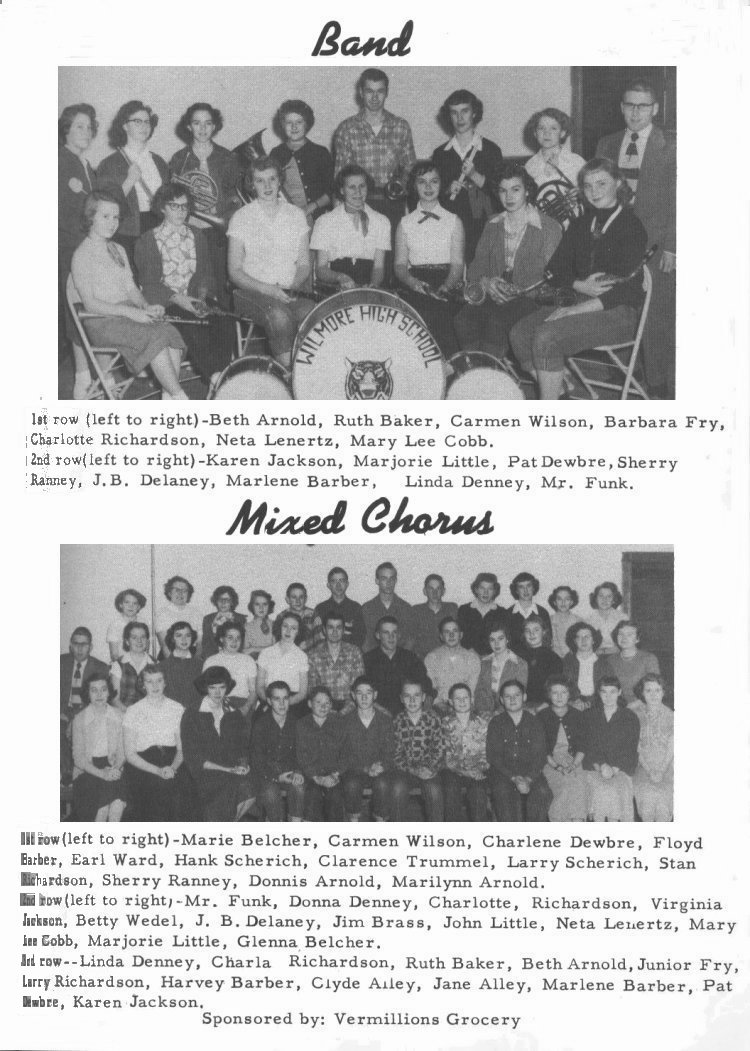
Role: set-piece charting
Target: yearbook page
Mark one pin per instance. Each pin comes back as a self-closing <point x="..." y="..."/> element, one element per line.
<point x="484" y="584"/>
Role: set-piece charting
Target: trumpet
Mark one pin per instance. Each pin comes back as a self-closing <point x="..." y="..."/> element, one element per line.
<point x="464" y="178"/>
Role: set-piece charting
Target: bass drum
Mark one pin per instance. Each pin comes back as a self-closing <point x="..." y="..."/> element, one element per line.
<point x="480" y="377"/>
<point x="252" y="379"/>
<point x="366" y="345"/>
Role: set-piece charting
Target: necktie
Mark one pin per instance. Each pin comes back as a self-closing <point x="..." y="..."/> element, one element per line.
<point x="75" y="689"/>
<point x="426" y="216"/>
<point x="632" y="150"/>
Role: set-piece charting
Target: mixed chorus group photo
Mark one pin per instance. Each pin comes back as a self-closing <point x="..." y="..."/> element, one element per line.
<point x="517" y="264"/>
<point x="384" y="710"/>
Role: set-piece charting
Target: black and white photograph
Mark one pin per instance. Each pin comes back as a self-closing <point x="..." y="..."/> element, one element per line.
<point x="366" y="233"/>
<point x="511" y="683"/>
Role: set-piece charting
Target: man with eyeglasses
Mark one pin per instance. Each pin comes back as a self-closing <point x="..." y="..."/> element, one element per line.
<point x="646" y="155"/>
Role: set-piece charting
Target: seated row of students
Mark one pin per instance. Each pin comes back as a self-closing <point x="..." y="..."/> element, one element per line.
<point x="419" y="622"/>
<point x="335" y="663"/>
<point x="208" y="762"/>
<point x="269" y="265"/>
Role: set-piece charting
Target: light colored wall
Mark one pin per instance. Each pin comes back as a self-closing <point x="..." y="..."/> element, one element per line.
<point x="249" y="96"/>
<point x="91" y="575"/>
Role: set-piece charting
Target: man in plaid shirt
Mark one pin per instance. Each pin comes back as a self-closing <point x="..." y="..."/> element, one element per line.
<point x="378" y="141"/>
<point x="334" y="663"/>
<point x="419" y="754"/>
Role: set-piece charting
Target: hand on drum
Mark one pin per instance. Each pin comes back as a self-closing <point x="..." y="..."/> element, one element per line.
<point x="156" y="311"/>
<point x="346" y="282"/>
<point x="419" y="286"/>
<point x="501" y="291"/>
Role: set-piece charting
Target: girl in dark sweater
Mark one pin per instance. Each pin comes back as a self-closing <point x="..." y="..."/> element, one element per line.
<point x="605" y="244"/>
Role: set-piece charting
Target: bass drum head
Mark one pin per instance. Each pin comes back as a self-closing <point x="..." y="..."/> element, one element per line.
<point x="253" y="379"/>
<point x="366" y="345"/>
<point x="480" y="377"/>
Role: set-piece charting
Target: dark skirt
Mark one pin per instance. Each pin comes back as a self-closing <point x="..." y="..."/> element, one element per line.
<point x="90" y="793"/>
<point x="437" y="314"/>
<point x="153" y="798"/>
<point x="359" y="270"/>
<point x="210" y="345"/>
<point x="221" y="793"/>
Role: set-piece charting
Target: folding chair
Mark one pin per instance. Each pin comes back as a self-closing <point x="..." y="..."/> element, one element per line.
<point x="107" y="363"/>
<point x="614" y="359"/>
<point x="247" y="332"/>
<point x="111" y="376"/>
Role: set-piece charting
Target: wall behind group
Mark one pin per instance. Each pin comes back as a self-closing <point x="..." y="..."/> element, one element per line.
<point x="91" y="575"/>
<point x="248" y="97"/>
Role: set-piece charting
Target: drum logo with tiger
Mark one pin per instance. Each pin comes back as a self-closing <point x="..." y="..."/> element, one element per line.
<point x="369" y="380"/>
<point x="366" y="345"/>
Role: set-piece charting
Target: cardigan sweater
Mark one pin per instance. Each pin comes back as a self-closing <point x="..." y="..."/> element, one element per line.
<point x="618" y="251"/>
<point x="111" y="174"/>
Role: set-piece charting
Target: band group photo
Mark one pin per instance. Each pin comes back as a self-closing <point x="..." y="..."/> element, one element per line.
<point x="214" y="227"/>
<point x="514" y="684"/>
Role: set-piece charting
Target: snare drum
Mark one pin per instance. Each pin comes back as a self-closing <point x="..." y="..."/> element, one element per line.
<point x="366" y="345"/>
<point x="253" y="379"/>
<point x="480" y="377"/>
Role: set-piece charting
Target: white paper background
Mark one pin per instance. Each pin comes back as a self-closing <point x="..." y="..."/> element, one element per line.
<point x="704" y="513"/>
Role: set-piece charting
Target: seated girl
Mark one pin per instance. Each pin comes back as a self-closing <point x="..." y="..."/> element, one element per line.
<point x="125" y="319"/>
<point x="216" y="746"/>
<point x="512" y="254"/>
<point x="153" y="749"/>
<point x="611" y="734"/>
<point x="598" y="253"/>
<point x="564" y="733"/>
<point x="98" y="755"/>
<point x="351" y="241"/>
<point x="269" y="260"/>
<point x="653" y="782"/>
<point x="176" y="270"/>
<point x="429" y="257"/>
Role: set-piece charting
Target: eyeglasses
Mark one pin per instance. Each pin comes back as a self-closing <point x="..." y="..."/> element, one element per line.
<point x="141" y="121"/>
<point x="178" y="208"/>
<point x="638" y="107"/>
